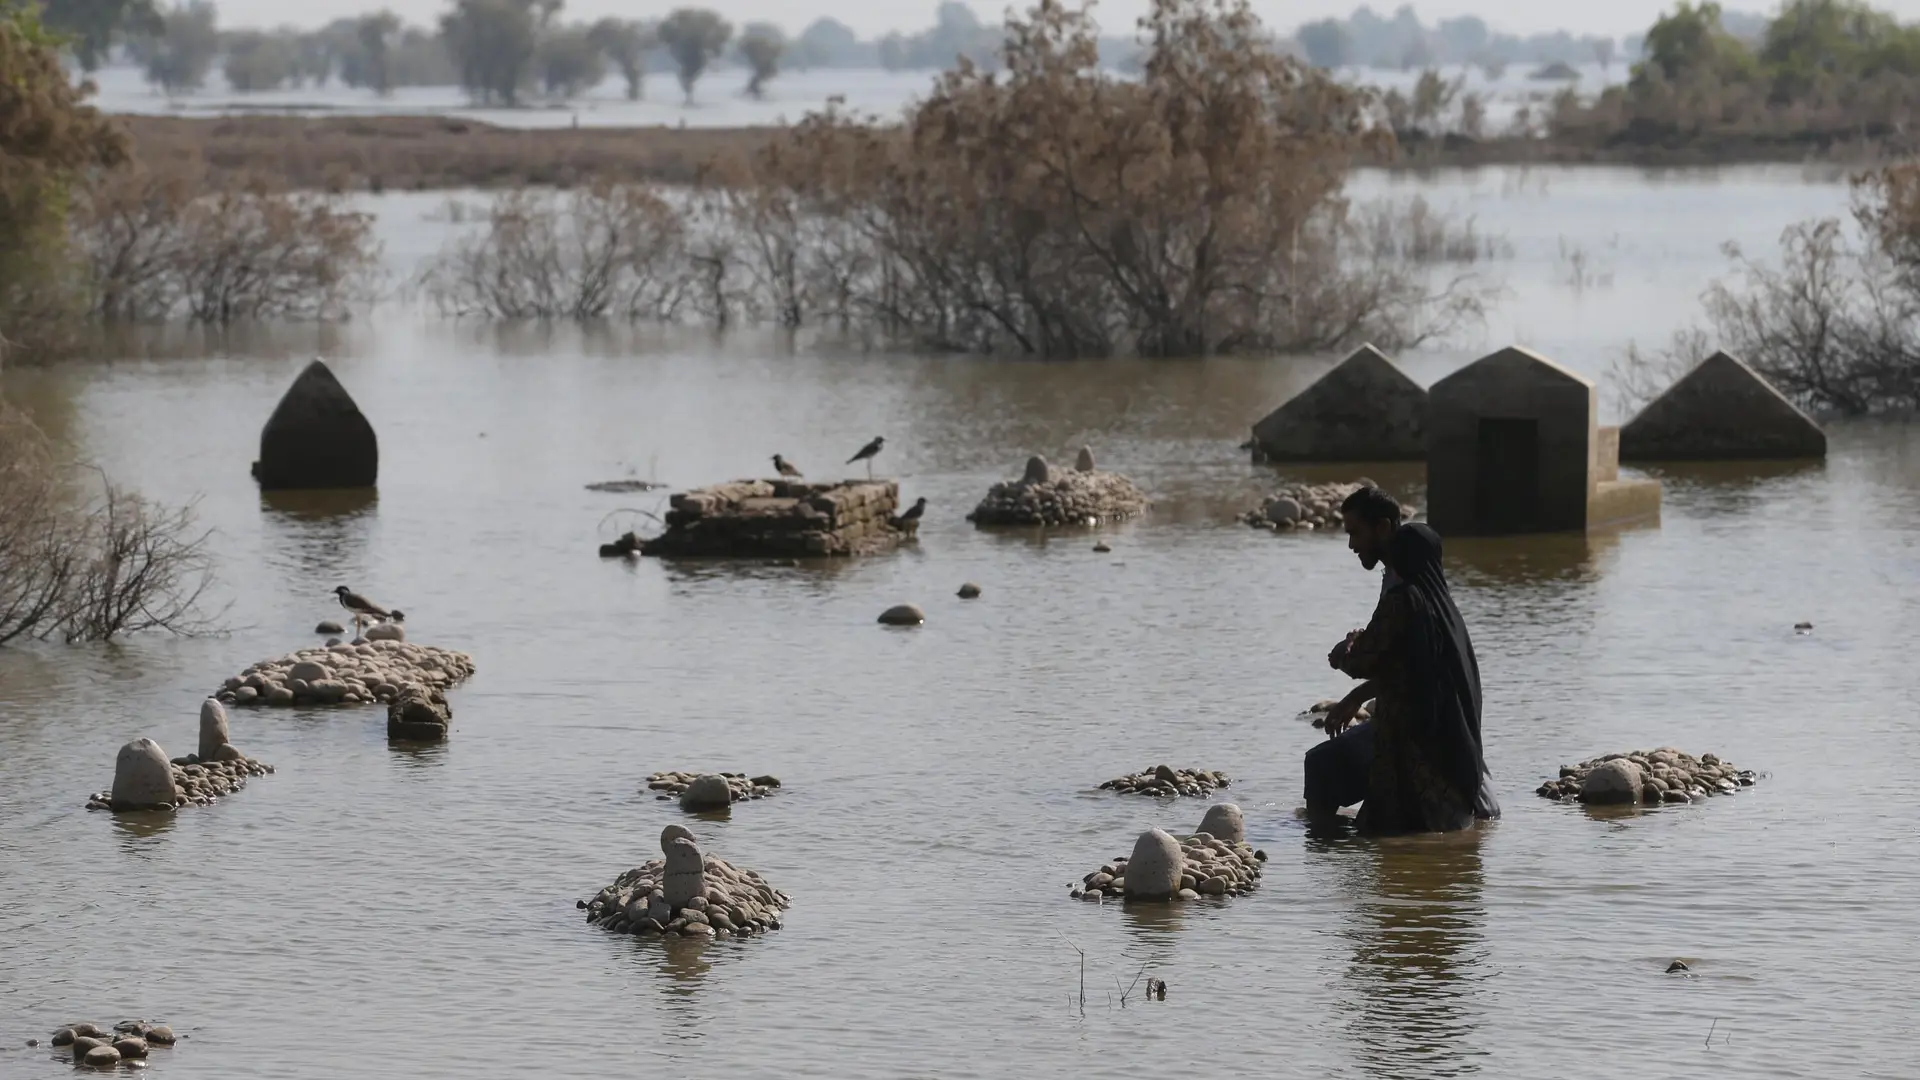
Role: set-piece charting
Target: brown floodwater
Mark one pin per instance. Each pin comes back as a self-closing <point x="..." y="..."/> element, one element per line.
<point x="375" y="912"/>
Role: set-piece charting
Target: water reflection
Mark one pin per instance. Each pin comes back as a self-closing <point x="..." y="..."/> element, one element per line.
<point x="329" y="505"/>
<point x="417" y="755"/>
<point x="1532" y="560"/>
<point x="321" y="534"/>
<point x="1419" y="946"/>
<point x="689" y="573"/>
<point x="1724" y="488"/>
<point x="138" y="831"/>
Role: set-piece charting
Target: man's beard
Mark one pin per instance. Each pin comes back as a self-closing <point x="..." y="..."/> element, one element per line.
<point x="1368" y="562"/>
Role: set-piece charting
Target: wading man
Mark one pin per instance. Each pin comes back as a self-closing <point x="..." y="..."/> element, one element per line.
<point x="1428" y="771"/>
<point x="1337" y="769"/>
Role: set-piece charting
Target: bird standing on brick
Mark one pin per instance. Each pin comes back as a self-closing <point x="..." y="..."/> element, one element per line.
<point x="784" y="467"/>
<point x="868" y="452"/>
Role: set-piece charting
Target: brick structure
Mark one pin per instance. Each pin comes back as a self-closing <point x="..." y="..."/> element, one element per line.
<point x="781" y="518"/>
<point x="1514" y="447"/>
<point x="1722" y="410"/>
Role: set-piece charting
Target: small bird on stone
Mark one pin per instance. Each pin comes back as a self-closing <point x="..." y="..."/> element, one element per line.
<point x="913" y="513"/>
<point x="361" y="607"/>
<point x="784" y="467"/>
<point x="868" y="452"/>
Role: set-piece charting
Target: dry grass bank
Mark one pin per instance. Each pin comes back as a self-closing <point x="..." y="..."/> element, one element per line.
<point x="430" y="152"/>
<point x="422" y="153"/>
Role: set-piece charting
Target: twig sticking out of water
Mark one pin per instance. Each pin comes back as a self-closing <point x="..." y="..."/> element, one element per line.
<point x="1724" y="1039"/>
<point x="1083" y="971"/>
<point x="1131" y="985"/>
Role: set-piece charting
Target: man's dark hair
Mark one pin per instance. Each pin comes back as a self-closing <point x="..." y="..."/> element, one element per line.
<point x="1371" y="504"/>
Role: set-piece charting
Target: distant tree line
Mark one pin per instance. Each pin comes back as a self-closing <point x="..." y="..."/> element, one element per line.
<point x="501" y="52"/>
<point x="1402" y="42"/>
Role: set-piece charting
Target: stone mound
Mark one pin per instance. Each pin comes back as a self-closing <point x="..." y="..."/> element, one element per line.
<point x="673" y="785"/>
<point x="1050" y="496"/>
<point x="1647" y="777"/>
<point x="1307" y="507"/>
<point x="1163" y="781"/>
<point x="347" y="674"/>
<point x="129" y="1041"/>
<point x="195" y="781"/>
<point x="1205" y="866"/>
<point x="687" y="895"/>
<point x="317" y="438"/>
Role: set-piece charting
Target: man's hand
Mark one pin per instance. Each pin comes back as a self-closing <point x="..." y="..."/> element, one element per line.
<point x="1339" y="654"/>
<point x="1339" y="717"/>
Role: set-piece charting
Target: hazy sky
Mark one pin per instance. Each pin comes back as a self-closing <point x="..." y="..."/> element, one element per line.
<point x="876" y="16"/>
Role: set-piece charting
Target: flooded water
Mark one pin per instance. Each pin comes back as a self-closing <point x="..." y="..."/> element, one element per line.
<point x="374" y="912"/>
<point x="719" y="100"/>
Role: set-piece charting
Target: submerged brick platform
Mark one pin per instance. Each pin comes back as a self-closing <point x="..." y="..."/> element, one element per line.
<point x="782" y="518"/>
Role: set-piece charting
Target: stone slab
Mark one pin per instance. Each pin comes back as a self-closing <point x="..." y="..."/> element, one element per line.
<point x="1722" y="410"/>
<point x="1365" y="409"/>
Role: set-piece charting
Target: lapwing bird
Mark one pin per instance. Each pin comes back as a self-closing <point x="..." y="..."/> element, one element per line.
<point x="912" y="514"/>
<point x="784" y="467"/>
<point x="361" y="607"/>
<point x="868" y="452"/>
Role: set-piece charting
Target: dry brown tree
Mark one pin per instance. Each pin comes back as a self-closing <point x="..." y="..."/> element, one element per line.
<point x="175" y="241"/>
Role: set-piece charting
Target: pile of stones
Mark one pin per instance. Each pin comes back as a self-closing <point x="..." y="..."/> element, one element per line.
<point x="1163" y="781"/>
<point x="129" y="1041"/>
<point x="1214" y="861"/>
<point x="419" y="714"/>
<point x="347" y="674"/>
<point x="1050" y="496"/>
<point x="687" y="895"/>
<point x="1647" y="777"/>
<point x="1305" y="507"/>
<point x="145" y="779"/>
<point x="710" y="791"/>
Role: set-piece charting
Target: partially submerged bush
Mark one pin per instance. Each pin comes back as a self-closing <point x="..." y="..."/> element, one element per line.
<point x="596" y="252"/>
<point x="1835" y="325"/>
<point x="171" y="243"/>
<point x="89" y="569"/>
<point x="1056" y="210"/>
<point x="1050" y="209"/>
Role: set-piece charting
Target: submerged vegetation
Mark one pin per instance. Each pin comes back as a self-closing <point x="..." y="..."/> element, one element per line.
<point x="1049" y="208"/>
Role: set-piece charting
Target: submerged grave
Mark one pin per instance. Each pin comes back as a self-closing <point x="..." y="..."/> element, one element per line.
<point x="783" y="519"/>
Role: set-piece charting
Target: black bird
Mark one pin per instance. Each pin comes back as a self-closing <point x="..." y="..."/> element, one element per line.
<point x="867" y="453"/>
<point x="784" y="467"/>
<point x="361" y="607"/>
<point x="912" y="514"/>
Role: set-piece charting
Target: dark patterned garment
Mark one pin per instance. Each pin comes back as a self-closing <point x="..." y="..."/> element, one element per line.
<point x="1428" y="774"/>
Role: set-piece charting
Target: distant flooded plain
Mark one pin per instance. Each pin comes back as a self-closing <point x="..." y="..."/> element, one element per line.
<point x="376" y="912"/>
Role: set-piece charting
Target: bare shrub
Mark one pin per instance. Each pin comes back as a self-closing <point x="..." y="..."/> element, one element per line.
<point x="1834" y="324"/>
<point x="1417" y="233"/>
<point x="165" y="243"/>
<point x="602" y="251"/>
<point x="90" y="569"/>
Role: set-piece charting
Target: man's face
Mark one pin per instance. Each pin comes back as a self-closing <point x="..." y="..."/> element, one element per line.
<point x="1367" y="539"/>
